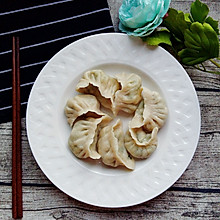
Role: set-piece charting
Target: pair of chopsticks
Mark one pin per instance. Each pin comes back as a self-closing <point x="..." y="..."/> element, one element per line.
<point x="17" y="208"/>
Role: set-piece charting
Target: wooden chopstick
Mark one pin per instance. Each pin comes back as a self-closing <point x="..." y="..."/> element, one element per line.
<point x="17" y="207"/>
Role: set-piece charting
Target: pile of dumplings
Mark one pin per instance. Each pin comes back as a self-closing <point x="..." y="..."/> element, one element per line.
<point x="93" y="136"/>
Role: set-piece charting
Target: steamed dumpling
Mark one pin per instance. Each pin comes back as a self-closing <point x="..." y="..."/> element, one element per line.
<point x="155" y="110"/>
<point x="139" y="143"/>
<point x="111" y="147"/>
<point x="128" y="97"/>
<point x="151" y="112"/>
<point x="80" y="105"/>
<point x="83" y="138"/>
<point x="101" y="85"/>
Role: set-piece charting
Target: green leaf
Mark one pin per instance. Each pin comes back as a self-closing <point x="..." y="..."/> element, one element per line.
<point x="191" y="57"/>
<point x="201" y="43"/>
<point x="187" y="17"/>
<point x="199" y="11"/>
<point x="213" y="23"/>
<point x="176" y="23"/>
<point x="158" y="37"/>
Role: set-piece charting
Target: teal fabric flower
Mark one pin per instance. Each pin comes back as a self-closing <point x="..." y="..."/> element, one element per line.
<point x="141" y="17"/>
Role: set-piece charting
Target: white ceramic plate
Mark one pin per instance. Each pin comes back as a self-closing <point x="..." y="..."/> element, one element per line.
<point x="90" y="181"/>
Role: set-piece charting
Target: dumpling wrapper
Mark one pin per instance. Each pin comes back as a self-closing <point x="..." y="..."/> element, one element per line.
<point x="80" y="105"/>
<point x="139" y="143"/>
<point x="99" y="84"/>
<point x="84" y="136"/>
<point x="128" y="97"/>
<point x="111" y="147"/>
<point x="151" y="112"/>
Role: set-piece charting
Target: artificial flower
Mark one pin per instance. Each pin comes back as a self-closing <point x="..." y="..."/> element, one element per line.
<point x="141" y="17"/>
